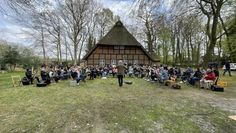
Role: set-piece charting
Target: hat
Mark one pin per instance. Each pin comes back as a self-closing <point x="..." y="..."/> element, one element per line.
<point x="208" y="70"/>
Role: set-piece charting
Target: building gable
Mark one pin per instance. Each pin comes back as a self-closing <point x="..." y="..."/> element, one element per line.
<point x="119" y="36"/>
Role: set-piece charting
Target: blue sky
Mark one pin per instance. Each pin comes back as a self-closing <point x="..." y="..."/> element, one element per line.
<point x="12" y="32"/>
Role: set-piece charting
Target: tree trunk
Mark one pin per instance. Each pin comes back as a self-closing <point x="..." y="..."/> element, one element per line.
<point x="80" y="51"/>
<point x="59" y="47"/>
<point x="149" y="37"/>
<point x="219" y="50"/>
<point x="182" y="51"/>
<point x="227" y="35"/>
<point x="58" y="58"/>
<point x="192" y="50"/>
<point x="43" y="45"/>
<point x="177" y="58"/>
<point x="210" y="49"/>
<point x="173" y="46"/>
<point x="188" y="51"/>
<point x="75" y="54"/>
<point x="198" y="53"/>
<point x="66" y="47"/>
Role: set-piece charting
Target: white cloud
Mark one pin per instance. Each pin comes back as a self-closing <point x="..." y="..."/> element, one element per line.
<point x="168" y="3"/>
<point x="121" y="8"/>
<point x="13" y="33"/>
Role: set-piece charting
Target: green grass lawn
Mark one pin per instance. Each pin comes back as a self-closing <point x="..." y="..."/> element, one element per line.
<point x="101" y="106"/>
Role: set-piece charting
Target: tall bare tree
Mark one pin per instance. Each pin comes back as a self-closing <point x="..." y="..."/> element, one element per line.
<point x="74" y="15"/>
<point x="148" y="13"/>
<point x="54" y="28"/>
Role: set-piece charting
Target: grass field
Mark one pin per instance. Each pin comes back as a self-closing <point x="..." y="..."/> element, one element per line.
<point x="101" y="106"/>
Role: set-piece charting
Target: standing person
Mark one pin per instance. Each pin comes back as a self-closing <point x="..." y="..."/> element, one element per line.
<point x="227" y="68"/>
<point x="120" y="72"/>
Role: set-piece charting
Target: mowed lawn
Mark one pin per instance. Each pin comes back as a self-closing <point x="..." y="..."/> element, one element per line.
<point x="100" y="106"/>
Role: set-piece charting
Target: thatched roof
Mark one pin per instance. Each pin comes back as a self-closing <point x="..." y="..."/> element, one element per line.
<point x="119" y="35"/>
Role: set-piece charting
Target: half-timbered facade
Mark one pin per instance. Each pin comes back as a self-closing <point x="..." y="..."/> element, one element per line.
<point x="118" y="44"/>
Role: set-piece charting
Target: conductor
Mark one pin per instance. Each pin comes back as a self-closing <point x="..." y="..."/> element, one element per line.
<point x="120" y="72"/>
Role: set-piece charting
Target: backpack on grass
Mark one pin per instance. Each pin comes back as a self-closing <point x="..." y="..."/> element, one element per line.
<point x="25" y="81"/>
<point x="216" y="87"/>
<point x="40" y="83"/>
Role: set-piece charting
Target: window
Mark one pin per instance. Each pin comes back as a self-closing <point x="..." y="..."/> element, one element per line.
<point x="125" y="61"/>
<point x="122" y="47"/>
<point x="102" y="62"/>
<point x="136" y="62"/>
<point x="125" y="57"/>
<point x="130" y="61"/>
<point x="113" y="62"/>
<point x="116" y="47"/>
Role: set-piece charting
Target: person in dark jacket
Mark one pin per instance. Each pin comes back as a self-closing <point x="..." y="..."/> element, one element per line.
<point x="196" y="77"/>
<point x="216" y="71"/>
<point x="227" y="68"/>
<point x="29" y="76"/>
<point x="43" y="73"/>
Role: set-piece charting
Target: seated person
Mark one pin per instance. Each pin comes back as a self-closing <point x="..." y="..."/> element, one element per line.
<point x="93" y="74"/>
<point x="87" y="71"/>
<point x="142" y="72"/>
<point x="43" y="73"/>
<point x="29" y="76"/>
<point x="114" y="71"/>
<point x="164" y="75"/>
<point x="217" y="73"/>
<point x="53" y="75"/>
<point x="73" y="73"/>
<point x="130" y="71"/>
<point x="171" y="71"/>
<point x="209" y="78"/>
<point x="65" y="74"/>
<point x="177" y="72"/>
<point x="196" y="77"/>
<point x="189" y="70"/>
<point x="187" y="74"/>
<point x="83" y="74"/>
<point x="78" y="76"/>
<point x="153" y="75"/>
<point x="136" y="72"/>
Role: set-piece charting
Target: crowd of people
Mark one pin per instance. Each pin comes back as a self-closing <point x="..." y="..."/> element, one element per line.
<point x="162" y="74"/>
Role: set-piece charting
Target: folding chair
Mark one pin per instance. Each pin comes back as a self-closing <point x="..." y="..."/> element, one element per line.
<point x="16" y="80"/>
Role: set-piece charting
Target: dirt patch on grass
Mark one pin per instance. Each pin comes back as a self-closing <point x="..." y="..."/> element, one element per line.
<point x="224" y="104"/>
<point x="203" y="123"/>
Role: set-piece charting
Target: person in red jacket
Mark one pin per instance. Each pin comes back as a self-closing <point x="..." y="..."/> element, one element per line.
<point x="208" y="79"/>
